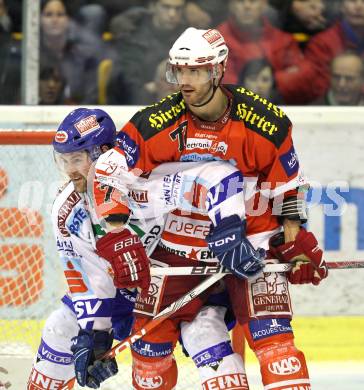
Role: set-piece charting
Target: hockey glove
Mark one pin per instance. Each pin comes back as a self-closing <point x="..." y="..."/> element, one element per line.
<point x="87" y="348"/>
<point x="126" y="254"/>
<point x="304" y="253"/>
<point x="229" y="244"/>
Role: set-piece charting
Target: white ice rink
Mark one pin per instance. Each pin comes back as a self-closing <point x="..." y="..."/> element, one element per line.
<point x="325" y="376"/>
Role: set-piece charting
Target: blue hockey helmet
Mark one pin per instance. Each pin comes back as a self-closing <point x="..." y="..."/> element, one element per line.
<point x="85" y="129"/>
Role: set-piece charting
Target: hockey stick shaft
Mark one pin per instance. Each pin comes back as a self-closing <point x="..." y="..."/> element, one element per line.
<point x="210" y="270"/>
<point x="159" y="318"/>
<point x="163" y="315"/>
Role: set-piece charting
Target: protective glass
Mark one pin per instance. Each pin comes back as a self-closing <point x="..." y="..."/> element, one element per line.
<point x="68" y="163"/>
<point x="176" y="74"/>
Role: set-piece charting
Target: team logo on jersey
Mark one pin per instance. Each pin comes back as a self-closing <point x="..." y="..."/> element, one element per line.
<point x="87" y="125"/>
<point x="61" y="137"/>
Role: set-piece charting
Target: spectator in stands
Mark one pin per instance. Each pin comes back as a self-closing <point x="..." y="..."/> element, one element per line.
<point x="159" y="87"/>
<point x="125" y="24"/>
<point x="347" y="81"/>
<point x="257" y="76"/>
<point x="75" y="50"/>
<point x="10" y="69"/>
<point x="15" y="8"/>
<point x="93" y="18"/>
<point x="51" y="85"/>
<point x="304" y="18"/>
<point x="249" y="35"/>
<point x="140" y="53"/>
<point x="5" y="20"/>
<point x="346" y="34"/>
<point x="205" y="14"/>
<point x="114" y="7"/>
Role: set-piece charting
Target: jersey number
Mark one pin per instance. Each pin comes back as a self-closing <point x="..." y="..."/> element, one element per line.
<point x="180" y="134"/>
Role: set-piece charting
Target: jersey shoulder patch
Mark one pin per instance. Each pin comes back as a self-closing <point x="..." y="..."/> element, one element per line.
<point x="259" y="115"/>
<point x="153" y="119"/>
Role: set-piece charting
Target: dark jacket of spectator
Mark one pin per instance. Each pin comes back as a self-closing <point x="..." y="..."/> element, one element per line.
<point x="10" y="69"/>
<point x="139" y="55"/>
<point x="75" y="50"/>
<point x="276" y="46"/>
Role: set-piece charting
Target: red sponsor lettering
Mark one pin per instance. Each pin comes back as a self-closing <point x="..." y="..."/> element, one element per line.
<point x="212" y="36"/>
<point x="39" y="381"/>
<point x="188" y="228"/>
<point x="86" y="125"/>
<point x="65" y="211"/>
<point x="227" y="382"/>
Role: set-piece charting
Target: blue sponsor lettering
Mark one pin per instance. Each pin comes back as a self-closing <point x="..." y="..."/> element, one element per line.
<point x="65" y="246"/>
<point x="171" y="188"/>
<point x="92" y="308"/>
<point x="213" y="354"/>
<point x="267" y="327"/>
<point x="199" y="157"/>
<point x="45" y="352"/>
<point x="152" y="349"/>
<point x="75" y="225"/>
<point x="228" y="187"/>
<point x="130" y="148"/>
<point x="290" y="162"/>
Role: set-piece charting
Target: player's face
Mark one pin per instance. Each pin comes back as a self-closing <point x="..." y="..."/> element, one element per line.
<point x="75" y="166"/>
<point x="194" y="83"/>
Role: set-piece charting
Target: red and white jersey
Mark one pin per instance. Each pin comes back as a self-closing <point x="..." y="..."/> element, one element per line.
<point x="253" y="134"/>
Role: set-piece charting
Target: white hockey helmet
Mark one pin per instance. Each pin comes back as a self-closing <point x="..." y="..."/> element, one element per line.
<point x="195" y="48"/>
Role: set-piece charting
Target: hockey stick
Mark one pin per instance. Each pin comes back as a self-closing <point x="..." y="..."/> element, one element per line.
<point x="159" y="318"/>
<point x="217" y="269"/>
<point x="164" y="314"/>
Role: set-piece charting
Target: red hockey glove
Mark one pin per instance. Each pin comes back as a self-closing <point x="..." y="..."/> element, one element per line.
<point x="128" y="259"/>
<point x="304" y="253"/>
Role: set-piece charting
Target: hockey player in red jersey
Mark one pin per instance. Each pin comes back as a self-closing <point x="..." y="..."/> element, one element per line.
<point x="210" y="121"/>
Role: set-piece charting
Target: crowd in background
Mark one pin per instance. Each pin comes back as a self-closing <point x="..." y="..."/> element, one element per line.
<point x="293" y="52"/>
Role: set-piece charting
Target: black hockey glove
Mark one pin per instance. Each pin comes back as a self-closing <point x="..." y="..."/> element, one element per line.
<point x="230" y="245"/>
<point x="87" y="348"/>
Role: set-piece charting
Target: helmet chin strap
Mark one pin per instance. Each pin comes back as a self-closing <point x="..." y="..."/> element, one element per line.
<point x="214" y="89"/>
